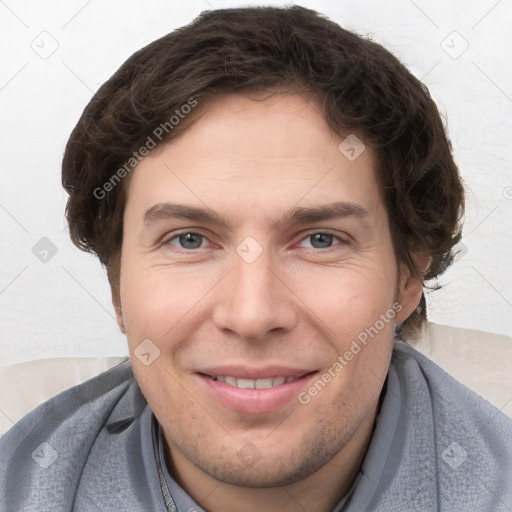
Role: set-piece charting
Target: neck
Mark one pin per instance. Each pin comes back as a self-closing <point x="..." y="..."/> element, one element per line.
<point x="320" y="491"/>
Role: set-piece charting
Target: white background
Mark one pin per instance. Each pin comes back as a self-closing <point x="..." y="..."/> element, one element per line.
<point x="62" y="307"/>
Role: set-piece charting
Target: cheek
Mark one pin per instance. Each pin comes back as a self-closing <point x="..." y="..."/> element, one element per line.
<point x="356" y="304"/>
<point x="158" y="301"/>
<point x="348" y="298"/>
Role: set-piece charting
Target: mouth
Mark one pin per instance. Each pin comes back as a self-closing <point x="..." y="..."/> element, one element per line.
<point x="255" y="392"/>
<point x="243" y="383"/>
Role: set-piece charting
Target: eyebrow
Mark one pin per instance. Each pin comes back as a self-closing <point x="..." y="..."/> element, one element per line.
<point x="165" y="211"/>
<point x="332" y="211"/>
<point x="296" y="215"/>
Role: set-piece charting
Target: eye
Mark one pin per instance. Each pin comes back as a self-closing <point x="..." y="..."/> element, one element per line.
<point x="189" y="240"/>
<point x="320" y="240"/>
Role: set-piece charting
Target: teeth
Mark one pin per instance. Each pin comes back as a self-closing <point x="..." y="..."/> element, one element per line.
<point x="263" y="383"/>
<point x="246" y="383"/>
<point x="254" y="384"/>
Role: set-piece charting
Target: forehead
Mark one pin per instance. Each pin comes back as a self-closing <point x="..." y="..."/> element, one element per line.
<point x="257" y="150"/>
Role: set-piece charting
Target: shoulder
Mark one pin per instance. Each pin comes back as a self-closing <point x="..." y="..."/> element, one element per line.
<point x="448" y="397"/>
<point x="44" y="453"/>
<point x="480" y="360"/>
<point x="471" y="439"/>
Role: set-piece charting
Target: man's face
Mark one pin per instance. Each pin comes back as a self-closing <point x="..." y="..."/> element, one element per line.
<point x="265" y="286"/>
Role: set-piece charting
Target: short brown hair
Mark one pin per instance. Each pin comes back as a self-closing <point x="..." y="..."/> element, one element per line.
<point x="360" y="86"/>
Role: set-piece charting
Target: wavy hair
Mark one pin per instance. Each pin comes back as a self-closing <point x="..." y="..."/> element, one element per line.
<point x="359" y="85"/>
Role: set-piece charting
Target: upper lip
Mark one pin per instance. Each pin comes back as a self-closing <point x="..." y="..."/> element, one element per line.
<point x="244" y="372"/>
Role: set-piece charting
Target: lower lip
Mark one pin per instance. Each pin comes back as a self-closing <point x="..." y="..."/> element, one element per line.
<point x="255" y="401"/>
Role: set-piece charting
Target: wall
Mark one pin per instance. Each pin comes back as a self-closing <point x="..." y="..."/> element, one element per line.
<point x="55" y="55"/>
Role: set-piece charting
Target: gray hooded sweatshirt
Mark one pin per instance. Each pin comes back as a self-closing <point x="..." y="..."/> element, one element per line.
<point x="97" y="447"/>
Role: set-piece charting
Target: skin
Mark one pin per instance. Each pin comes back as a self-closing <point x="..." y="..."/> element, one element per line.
<point x="301" y="303"/>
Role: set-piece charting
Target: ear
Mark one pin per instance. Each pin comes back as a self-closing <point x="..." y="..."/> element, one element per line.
<point x="411" y="287"/>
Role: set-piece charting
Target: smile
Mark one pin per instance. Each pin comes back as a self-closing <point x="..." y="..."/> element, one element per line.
<point x="253" y="383"/>
<point x="254" y="391"/>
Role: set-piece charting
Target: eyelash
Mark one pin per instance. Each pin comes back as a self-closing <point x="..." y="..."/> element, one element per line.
<point x="341" y="241"/>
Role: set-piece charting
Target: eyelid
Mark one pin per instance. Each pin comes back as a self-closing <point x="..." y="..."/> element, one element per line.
<point x="169" y="237"/>
<point x="344" y="238"/>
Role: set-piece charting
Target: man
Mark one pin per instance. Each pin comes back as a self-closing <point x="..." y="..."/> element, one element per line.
<point x="268" y="193"/>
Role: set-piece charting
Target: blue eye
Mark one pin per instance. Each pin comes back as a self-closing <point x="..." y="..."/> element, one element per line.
<point x="321" y="240"/>
<point x="188" y="240"/>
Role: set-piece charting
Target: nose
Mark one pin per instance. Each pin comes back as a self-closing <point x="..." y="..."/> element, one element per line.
<point x="254" y="301"/>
